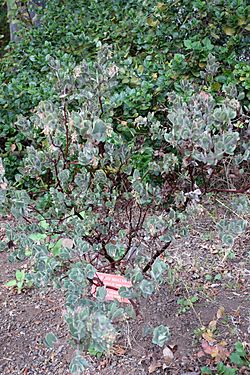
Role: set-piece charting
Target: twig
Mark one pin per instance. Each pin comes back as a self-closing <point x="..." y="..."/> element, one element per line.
<point x="155" y="256"/>
<point x="229" y="208"/>
<point x="128" y="335"/>
<point x="232" y="191"/>
<point x="192" y="305"/>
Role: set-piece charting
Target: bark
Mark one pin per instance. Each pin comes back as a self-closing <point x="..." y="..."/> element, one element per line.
<point x="19" y="13"/>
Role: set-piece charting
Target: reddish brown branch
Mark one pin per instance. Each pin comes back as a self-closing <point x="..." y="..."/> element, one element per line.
<point x="101" y="106"/>
<point x="232" y="191"/>
<point x="67" y="132"/>
<point x="155" y="256"/>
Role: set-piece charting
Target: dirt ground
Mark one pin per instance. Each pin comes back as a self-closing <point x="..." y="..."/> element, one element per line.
<point x="218" y="317"/>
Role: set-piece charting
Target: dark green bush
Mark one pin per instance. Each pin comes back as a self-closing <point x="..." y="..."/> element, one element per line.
<point x="156" y="45"/>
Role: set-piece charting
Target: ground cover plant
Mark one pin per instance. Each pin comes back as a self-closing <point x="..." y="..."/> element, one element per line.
<point x="111" y="167"/>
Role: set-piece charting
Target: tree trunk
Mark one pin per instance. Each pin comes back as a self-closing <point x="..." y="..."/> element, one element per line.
<point x="4" y="28"/>
<point x="19" y="13"/>
<point x="12" y="17"/>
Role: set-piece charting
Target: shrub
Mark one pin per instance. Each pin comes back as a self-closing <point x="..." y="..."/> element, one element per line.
<point x="91" y="210"/>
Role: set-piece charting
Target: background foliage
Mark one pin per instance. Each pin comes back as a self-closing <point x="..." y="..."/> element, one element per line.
<point x="156" y="45"/>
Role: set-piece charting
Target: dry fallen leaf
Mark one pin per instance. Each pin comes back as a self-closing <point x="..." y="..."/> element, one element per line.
<point x="209" y="349"/>
<point x="154" y="366"/>
<point x="200" y="354"/>
<point x="214" y="352"/>
<point x="174" y="348"/>
<point x="212" y="325"/>
<point x="118" y="350"/>
<point x="220" y="312"/>
<point x="103" y="364"/>
<point x="223" y="343"/>
<point x="218" y="352"/>
<point x="208" y="336"/>
<point x="168" y="355"/>
<point x="13" y="147"/>
<point x="67" y="242"/>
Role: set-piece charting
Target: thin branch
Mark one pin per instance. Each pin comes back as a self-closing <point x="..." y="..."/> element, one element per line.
<point x="232" y="191"/>
<point x="155" y="256"/>
<point x="67" y="132"/>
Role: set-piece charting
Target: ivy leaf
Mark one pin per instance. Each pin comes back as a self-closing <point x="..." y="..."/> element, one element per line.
<point x="99" y="130"/>
<point x="237" y="359"/>
<point x="240" y="349"/>
<point x="126" y="292"/>
<point x="90" y="271"/>
<point x="206" y="371"/>
<point x="225" y="370"/>
<point x="115" y="311"/>
<point x="44" y="224"/>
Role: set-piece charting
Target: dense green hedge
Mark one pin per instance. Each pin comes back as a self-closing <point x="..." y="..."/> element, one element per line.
<point x="156" y="46"/>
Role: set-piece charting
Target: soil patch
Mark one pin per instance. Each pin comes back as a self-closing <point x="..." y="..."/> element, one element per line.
<point x="197" y="268"/>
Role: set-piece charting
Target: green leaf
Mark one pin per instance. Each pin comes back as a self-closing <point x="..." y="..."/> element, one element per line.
<point x="92" y="350"/>
<point x="225" y="370"/>
<point x="50" y="339"/>
<point x="160" y="335"/>
<point x="44" y="224"/>
<point x="101" y="293"/>
<point x="76" y="274"/>
<point x="115" y="311"/>
<point x="194" y="299"/>
<point x="115" y="251"/>
<point x="147" y="287"/>
<point x="90" y="271"/>
<point x="157" y="269"/>
<point x="37" y="237"/>
<point x="11" y="283"/>
<point x="227" y="239"/>
<point x="218" y="277"/>
<point x="206" y="371"/>
<point x="239" y="347"/>
<point x="99" y="130"/>
<point x="229" y="30"/>
<point x="151" y="22"/>
<point x="20" y="275"/>
<point x="19" y="286"/>
<point x="126" y="292"/>
<point x="57" y="248"/>
<point x="3" y="244"/>
<point x="237" y="359"/>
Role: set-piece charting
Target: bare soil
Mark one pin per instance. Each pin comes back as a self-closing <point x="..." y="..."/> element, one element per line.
<point x="197" y="268"/>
